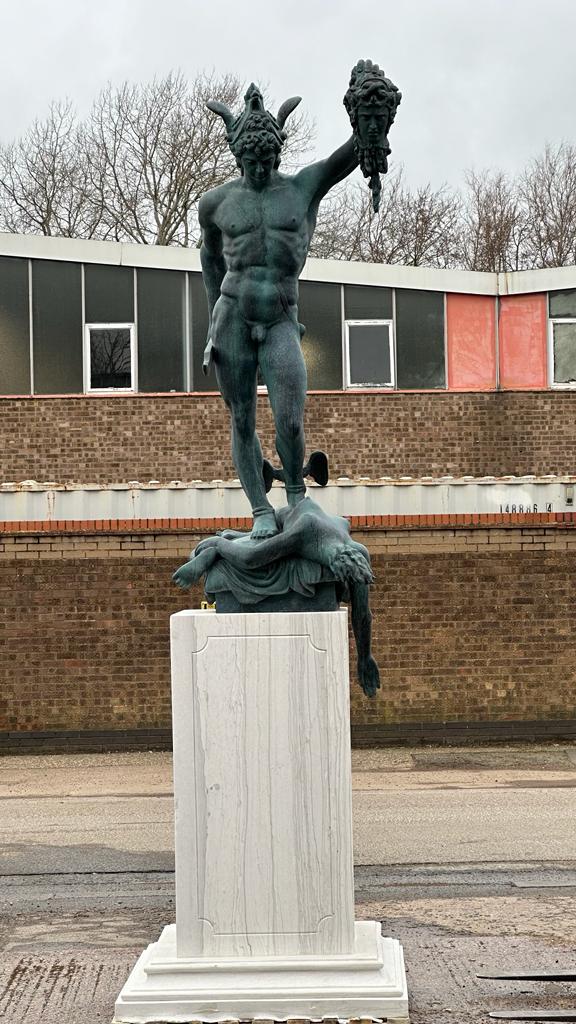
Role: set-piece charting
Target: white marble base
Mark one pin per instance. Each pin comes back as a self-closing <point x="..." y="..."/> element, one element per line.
<point x="262" y="784"/>
<point x="264" y="870"/>
<point x="369" y="982"/>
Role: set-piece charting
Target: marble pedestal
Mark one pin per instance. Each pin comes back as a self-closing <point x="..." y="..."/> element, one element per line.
<point x="264" y="871"/>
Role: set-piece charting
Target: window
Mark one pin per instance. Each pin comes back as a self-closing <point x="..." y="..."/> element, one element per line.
<point x="161" y="329"/>
<point x="108" y="294"/>
<point x="320" y="310"/>
<point x="57" y="327"/>
<point x="562" y="305"/>
<point x="369" y="354"/>
<point x="14" y="327"/>
<point x="367" y="302"/>
<point x="109" y="363"/>
<point x="420" y="347"/>
<point x="562" y="353"/>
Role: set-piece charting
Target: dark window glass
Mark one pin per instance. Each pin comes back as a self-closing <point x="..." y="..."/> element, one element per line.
<point x="365" y="302"/>
<point x="14" y="327"/>
<point x="319" y="310"/>
<point x="420" y="339"/>
<point x="369" y="354"/>
<point x="110" y="364"/>
<point x="564" y="353"/>
<point x="108" y="294"/>
<point x="161" y="350"/>
<point x="57" y="324"/>
<point x="562" y="303"/>
<point x="199" y="320"/>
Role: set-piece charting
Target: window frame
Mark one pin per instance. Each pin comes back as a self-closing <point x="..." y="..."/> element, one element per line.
<point x="557" y="386"/>
<point x="88" y="389"/>
<point x="348" y="385"/>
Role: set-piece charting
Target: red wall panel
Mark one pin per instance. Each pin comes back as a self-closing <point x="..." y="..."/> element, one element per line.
<point x="471" y="336"/>
<point x="522" y="341"/>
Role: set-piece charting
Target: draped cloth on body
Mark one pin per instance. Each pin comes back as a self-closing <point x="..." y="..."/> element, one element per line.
<point x="250" y="586"/>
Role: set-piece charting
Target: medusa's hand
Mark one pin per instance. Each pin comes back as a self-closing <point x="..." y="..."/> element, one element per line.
<point x="369" y="676"/>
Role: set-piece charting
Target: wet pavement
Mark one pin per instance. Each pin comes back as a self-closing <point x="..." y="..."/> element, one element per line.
<point x="468" y="856"/>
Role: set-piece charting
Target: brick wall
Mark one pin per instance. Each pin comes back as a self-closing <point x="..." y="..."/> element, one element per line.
<point x="112" y="440"/>
<point x="469" y="625"/>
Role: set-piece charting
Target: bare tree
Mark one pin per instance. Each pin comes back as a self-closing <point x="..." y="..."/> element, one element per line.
<point x="45" y="181"/>
<point x="153" y="150"/>
<point x="417" y="228"/>
<point x="340" y="226"/>
<point x="156" y="148"/>
<point x="494" y="223"/>
<point x="427" y="227"/>
<point x="134" y="170"/>
<point x="548" y="190"/>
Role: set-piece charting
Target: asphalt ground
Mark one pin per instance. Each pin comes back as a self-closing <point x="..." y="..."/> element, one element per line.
<point x="468" y="856"/>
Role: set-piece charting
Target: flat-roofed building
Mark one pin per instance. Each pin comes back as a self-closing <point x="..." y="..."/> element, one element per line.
<point x="445" y="400"/>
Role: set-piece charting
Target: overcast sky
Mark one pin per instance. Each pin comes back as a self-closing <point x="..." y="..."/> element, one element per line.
<point x="484" y="82"/>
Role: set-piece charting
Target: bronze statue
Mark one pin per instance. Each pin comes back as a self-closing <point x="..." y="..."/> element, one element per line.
<point x="256" y="232"/>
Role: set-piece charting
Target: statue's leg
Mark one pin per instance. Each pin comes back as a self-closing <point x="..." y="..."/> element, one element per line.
<point x="284" y="372"/>
<point x="236" y="370"/>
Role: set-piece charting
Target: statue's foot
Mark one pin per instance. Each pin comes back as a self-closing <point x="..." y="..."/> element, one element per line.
<point x="186" y="575"/>
<point x="203" y="545"/>
<point x="192" y="571"/>
<point x="265" y="525"/>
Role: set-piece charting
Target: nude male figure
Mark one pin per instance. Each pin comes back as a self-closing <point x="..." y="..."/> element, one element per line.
<point x="256" y="231"/>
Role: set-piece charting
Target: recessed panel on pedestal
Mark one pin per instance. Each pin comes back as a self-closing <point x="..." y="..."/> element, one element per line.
<point x="261" y="752"/>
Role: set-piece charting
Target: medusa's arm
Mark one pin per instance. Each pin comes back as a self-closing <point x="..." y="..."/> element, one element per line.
<point x="368" y="673"/>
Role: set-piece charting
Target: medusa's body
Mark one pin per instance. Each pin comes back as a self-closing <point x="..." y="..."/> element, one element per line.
<point x="306" y="532"/>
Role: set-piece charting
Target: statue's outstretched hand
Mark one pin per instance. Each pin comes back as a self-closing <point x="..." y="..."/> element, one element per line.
<point x="369" y="676"/>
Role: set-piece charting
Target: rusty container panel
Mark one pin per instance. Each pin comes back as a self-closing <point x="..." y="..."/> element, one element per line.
<point x="471" y="338"/>
<point x="522" y="341"/>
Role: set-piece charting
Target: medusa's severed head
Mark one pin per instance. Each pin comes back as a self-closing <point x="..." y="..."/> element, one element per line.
<point x="371" y="102"/>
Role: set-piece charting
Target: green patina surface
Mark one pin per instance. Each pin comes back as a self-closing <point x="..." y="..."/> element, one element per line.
<point x="256" y="233"/>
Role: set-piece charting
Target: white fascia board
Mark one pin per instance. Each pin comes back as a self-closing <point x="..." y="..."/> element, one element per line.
<point x="161" y="257"/>
<point x="71" y="250"/>
<point x="167" y="257"/>
<point x="525" y="282"/>
<point x="82" y="250"/>
<point x="397" y="276"/>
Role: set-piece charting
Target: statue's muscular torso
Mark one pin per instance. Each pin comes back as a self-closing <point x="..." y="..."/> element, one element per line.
<point x="265" y="237"/>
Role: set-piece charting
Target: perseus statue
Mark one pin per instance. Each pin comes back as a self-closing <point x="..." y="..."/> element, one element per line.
<point x="256" y="232"/>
